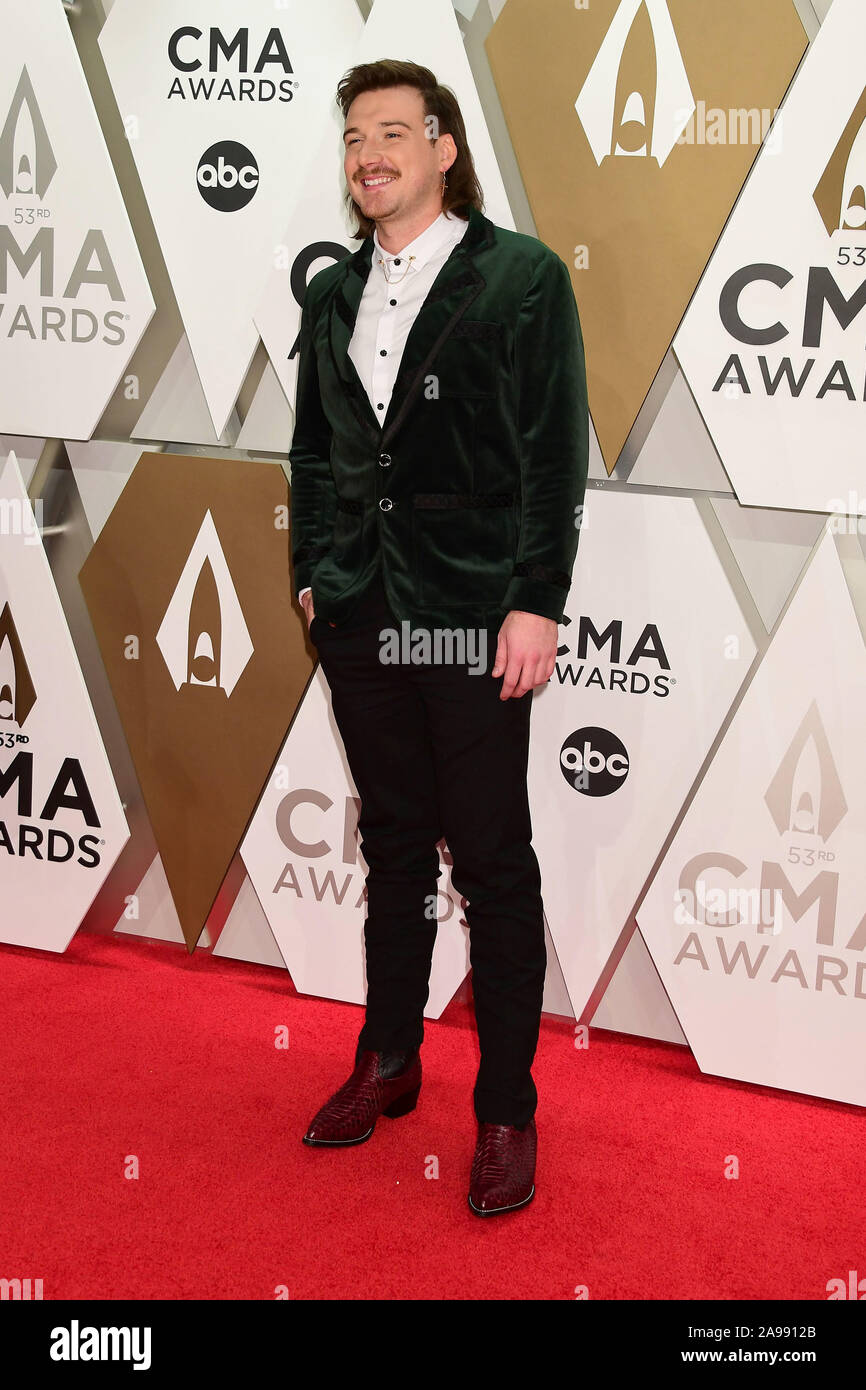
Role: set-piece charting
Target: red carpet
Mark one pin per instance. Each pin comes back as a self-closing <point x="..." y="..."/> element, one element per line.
<point x="125" y="1047"/>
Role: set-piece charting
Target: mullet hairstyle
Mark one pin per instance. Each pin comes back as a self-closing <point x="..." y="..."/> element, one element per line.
<point x="463" y="189"/>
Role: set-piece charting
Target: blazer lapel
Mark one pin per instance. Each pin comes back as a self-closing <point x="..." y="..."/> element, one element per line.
<point x="457" y="284"/>
<point x="343" y="313"/>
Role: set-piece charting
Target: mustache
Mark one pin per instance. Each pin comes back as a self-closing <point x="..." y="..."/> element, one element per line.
<point x="376" y="174"/>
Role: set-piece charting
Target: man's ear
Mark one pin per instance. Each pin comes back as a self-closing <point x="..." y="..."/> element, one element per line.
<point x="449" y="147"/>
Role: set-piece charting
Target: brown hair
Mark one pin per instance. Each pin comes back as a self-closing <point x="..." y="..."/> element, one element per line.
<point x="462" y="189"/>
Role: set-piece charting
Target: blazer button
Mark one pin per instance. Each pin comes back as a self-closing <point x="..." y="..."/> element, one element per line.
<point x="384" y="460"/>
<point x="385" y="504"/>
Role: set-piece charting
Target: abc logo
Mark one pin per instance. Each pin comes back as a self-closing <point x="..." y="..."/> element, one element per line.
<point x="227" y="176"/>
<point x="593" y="761"/>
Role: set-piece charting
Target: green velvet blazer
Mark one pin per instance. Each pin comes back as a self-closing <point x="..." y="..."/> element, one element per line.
<point x="469" y="491"/>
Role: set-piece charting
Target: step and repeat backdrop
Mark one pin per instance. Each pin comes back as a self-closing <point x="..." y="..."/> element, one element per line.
<point x="170" y="178"/>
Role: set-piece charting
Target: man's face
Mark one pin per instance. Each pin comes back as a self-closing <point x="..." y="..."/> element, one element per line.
<point x="392" y="167"/>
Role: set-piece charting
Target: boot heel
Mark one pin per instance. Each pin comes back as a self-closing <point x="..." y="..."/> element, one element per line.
<point x="403" y="1104"/>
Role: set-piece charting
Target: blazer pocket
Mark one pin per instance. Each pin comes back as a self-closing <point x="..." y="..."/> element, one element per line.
<point x="464" y="546"/>
<point x="467" y="363"/>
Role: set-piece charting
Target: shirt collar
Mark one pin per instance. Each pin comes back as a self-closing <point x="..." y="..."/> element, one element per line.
<point x="444" y="230"/>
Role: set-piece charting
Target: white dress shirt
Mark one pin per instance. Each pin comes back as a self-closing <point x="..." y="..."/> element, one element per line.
<point x="388" y="310"/>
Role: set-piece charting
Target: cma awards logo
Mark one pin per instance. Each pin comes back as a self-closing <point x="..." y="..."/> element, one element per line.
<point x="27" y="168"/>
<point x="807" y="804"/>
<point x="828" y="292"/>
<point x="214" y="66"/>
<point x="841" y="193"/>
<point x="27" y="162"/>
<point x="203" y="637"/>
<point x="636" y="100"/>
<point x="17" y="694"/>
<point x="26" y="829"/>
<point x="340" y="879"/>
<point x="640" y="667"/>
<point x="299" y="272"/>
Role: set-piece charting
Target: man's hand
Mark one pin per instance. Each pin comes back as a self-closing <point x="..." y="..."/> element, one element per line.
<point x="525" y="651"/>
<point x="307" y="605"/>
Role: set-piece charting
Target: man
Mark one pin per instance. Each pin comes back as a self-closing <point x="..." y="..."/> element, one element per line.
<point x="438" y="469"/>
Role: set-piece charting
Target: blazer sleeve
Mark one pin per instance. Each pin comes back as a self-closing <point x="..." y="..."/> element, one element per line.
<point x="313" y="493"/>
<point x="553" y="433"/>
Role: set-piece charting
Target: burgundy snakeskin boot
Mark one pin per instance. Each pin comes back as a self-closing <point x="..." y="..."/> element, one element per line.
<point x="383" y="1083"/>
<point x="503" y="1169"/>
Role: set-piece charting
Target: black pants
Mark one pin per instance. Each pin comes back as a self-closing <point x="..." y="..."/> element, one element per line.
<point x="434" y="752"/>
